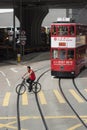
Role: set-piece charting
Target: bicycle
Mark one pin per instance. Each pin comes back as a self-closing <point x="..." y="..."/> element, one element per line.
<point x="21" y="88"/>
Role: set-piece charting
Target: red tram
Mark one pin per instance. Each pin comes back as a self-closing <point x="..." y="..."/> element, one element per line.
<point x="68" y="48"/>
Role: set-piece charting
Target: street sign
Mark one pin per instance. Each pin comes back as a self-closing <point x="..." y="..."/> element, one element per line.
<point x="23" y="32"/>
<point x="23" y="38"/>
<point x="23" y="43"/>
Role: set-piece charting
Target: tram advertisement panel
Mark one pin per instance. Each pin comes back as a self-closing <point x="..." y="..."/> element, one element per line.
<point x="63" y="42"/>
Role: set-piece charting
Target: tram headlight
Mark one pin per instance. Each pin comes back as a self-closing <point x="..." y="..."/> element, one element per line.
<point x="72" y="72"/>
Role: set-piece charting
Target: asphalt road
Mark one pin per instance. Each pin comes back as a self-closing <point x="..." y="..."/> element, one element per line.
<point x="57" y="114"/>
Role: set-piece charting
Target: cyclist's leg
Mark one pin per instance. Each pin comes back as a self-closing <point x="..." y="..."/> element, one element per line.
<point x="30" y="84"/>
<point x="28" y="81"/>
<point x="30" y="87"/>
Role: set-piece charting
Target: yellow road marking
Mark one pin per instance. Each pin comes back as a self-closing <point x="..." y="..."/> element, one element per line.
<point x="10" y="124"/>
<point x="77" y="97"/>
<point x="85" y="90"/>
<point x="59" y="96"/>
<point x="6" y="99"/>
<point x="39" y="117"/>
<point x="42" y="98"/>
<point x="75" y="127"/>
<point x="24" y="99"/>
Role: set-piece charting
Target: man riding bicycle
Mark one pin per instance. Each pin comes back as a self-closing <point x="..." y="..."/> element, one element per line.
<point x="31" y="77"/>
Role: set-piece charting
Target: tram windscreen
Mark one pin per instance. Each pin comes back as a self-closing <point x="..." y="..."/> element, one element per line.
<point x="62" y="54"/>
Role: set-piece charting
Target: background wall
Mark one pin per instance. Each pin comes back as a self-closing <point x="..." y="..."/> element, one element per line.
<point x="53" y="15"/>
<point x="6" y="19"/>
<point x="80" y="15"/>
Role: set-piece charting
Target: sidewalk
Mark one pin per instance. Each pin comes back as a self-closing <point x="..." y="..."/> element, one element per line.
<point x="31" y="57"/>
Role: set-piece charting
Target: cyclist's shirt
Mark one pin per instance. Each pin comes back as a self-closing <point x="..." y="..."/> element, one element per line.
<point x="32" y="75"/>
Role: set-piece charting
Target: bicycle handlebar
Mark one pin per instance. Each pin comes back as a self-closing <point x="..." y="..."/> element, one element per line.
<point x="23" y="78"/>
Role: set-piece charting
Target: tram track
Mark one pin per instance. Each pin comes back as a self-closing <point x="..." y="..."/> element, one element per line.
<point x="68" y="102"/>
<point x="37" y="102"/>
<point x="74" y="83"/>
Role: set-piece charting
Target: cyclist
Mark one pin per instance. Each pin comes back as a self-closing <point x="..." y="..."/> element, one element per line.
<point x="31" y="77"/>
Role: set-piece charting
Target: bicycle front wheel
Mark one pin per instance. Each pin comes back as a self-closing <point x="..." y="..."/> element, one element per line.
<point x="36" y="87"/>
<point x="20" y="89"/>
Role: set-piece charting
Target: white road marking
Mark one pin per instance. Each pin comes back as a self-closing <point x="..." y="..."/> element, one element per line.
<point x="3" y="73"/>
<point x="14" y="70"/>
<point x="8" y="82"/>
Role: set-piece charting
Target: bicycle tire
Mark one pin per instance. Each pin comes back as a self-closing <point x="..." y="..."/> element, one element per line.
<point x="36" y="87"/>
<point x="20" y="89"/>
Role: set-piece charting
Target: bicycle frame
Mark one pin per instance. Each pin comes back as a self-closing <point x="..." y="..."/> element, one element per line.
<point x="21" y="88"/>
<point x="24" y="83"/>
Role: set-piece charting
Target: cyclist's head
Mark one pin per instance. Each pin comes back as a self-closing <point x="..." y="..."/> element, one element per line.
<point x="28" y="67"/>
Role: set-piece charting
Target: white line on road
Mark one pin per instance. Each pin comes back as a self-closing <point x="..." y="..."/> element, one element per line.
<point x="6" y="78"/>
<point x="3" y="73"/>
<point x="8" y="82"/>
<point x="14" y="70"/>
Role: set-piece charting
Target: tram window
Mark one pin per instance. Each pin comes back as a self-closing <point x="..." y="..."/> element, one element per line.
<point x="62" y="30"/>
<point x="62" y="54"/>
<point x="53" y="30"/>
<point x="72" y="30"/>
<point x="70" y="54"/>
<point x="55" y="54"/>
<point x="78" y="30"/>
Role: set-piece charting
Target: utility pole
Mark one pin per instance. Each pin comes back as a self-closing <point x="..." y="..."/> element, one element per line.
<point x="20" y="25"/>
<point x="14" y="42"/>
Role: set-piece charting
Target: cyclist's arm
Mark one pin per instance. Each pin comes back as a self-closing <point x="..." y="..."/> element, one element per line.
<point x="30" y="72"/>
<point x="24" y="75"/>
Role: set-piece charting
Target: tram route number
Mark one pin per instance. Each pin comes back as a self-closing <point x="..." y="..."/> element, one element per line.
<point x="62" y="44"/>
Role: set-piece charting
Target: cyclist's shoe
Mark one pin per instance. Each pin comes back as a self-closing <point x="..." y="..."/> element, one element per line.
<point x="30" y="88"/>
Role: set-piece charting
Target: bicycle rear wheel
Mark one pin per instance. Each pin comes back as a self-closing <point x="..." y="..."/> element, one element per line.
<point x="20" y="89"/>
<point x="36" y="87"/>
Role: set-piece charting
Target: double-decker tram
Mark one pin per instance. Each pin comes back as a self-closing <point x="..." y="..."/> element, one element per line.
<point x="68" y="48"/>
